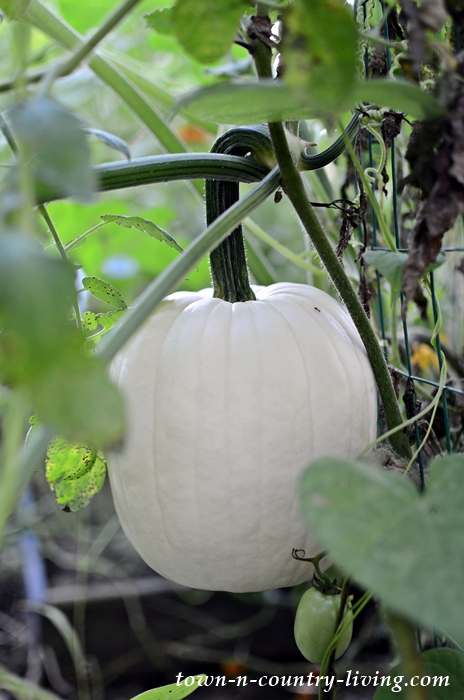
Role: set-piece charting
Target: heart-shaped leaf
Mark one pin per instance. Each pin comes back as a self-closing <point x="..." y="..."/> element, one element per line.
<point x="407" y="547"/>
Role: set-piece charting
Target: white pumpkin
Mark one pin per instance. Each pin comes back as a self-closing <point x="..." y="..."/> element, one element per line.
<point x="227" y="405"/>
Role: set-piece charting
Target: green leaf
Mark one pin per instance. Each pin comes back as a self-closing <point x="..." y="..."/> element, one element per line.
<point x="104" y="291"/>
<point x="74" y="473"/>
<point x="89" y="321"/>
<point x="109" y="319"/>
<point x="36" y="293"/>
<point x="174" y="691"/>
<point x="162" y="20"/>
<point x="52" y="137"/>
<point x="267" y="101"/>
<point x="105" y="320"/>
<point x="319" y="48"/>
<point x="81" y="403"/>
<point x="248" y="103"/>
<point x="112" y="141"/>
<point x="207" y="28"/>
<point x="400" y="95"/>
<point x="145" y="226"/>
<point x="407" y="547"/>
<point x="444" y="667"/>
<point x="14" y="9"/>
<point x="390" y="265"/>
<point x="42" y="350"/>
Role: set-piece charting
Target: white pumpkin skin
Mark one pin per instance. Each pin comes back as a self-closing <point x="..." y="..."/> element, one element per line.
<point x="227" y="405"/>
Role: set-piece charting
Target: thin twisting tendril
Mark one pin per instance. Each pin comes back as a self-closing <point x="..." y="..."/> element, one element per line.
<point x="396" y="63"/>
<point x="377" y="172"/>
<point x="364" y="14"/>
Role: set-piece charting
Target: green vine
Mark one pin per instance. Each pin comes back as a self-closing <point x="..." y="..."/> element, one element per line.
<point x="294" y="188"/>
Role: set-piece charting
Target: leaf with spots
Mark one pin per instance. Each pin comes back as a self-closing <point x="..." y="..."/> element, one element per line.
<point x="104" y="291"/>
<point x="103" y="322"/>
<point x="89" y="321"/>
<point x="75" y="473"/>
<point x="145" y="226"/>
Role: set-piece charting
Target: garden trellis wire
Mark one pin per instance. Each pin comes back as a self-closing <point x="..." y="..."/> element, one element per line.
<point x="364" y="12"/>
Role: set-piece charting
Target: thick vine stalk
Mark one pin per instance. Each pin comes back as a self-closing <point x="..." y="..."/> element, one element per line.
<point x="293" y="186"/>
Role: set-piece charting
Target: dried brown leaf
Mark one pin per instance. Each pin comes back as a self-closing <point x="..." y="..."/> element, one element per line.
<point x="416" y="34"/>
<point x="436" y="154"/>
<point x="343" y="238"/>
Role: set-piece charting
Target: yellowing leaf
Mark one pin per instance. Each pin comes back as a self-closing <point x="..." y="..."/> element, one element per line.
<point x="425" y="357"/>
<point x="75" y="473"/>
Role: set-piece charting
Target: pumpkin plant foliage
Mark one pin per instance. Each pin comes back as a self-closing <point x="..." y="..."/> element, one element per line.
<point x="376" y="525"/>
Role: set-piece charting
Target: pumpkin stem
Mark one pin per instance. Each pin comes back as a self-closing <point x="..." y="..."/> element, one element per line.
<point x="228" y="261"/>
